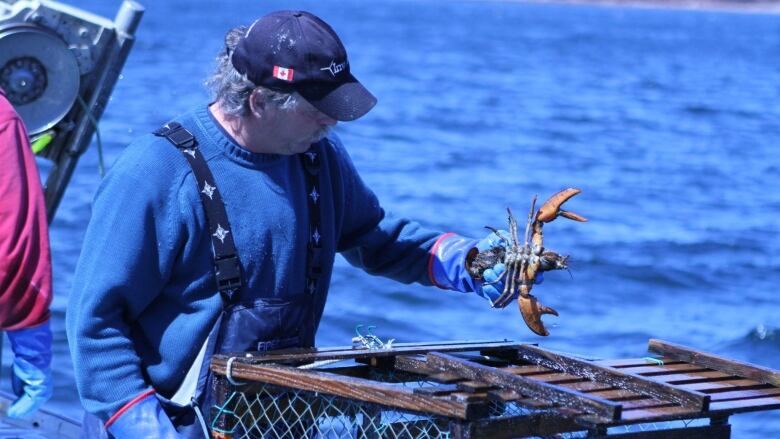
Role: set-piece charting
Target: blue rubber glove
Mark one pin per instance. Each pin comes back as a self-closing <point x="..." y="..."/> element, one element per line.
<point x="144" y="418"/>
<point x="492" y="287"/>
<point x="448" y="265"/>
<point x="31" y="379"/>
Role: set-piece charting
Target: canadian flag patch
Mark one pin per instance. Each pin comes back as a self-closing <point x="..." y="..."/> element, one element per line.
<point x="283" y="73"/>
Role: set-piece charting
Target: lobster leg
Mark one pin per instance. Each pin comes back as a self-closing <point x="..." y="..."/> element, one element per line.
<point x="506" y="294"/>
<point x="509" y="286"/>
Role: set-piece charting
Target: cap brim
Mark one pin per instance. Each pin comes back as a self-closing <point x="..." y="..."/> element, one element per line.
<point x="345" y="101"/>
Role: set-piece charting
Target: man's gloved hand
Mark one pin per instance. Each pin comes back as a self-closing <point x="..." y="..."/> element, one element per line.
<point x="31" y="380"/>
<point x="142" y="418"/>
<point x="493" y="284"/>
<point x="447" y="267"/>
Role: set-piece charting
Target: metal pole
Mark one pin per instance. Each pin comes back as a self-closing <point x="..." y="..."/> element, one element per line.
<point x="128" y="17"/>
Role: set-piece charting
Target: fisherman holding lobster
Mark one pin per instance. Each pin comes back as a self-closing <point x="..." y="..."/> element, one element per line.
<point x="218" y="233"/>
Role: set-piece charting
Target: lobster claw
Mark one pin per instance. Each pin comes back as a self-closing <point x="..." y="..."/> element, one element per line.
<point x="532" y="312"/>
<point x="551" y="208"/>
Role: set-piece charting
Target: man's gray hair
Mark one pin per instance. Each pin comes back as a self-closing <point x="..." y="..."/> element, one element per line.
<point x="232" y="89"/>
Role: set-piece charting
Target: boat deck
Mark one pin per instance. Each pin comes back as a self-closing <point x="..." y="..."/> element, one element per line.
<point x="43" y="425"/>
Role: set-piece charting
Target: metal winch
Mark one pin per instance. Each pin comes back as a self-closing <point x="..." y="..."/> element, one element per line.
<point x="58" y="66"/>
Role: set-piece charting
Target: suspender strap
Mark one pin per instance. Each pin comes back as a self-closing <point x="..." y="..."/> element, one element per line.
<point x="226" y="263"/>
<point x="311" y="164"/>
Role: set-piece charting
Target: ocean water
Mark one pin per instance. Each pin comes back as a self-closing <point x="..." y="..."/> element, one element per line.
<point x="667" y="120"/>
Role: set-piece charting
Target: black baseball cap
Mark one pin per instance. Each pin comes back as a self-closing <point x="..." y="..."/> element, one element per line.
<point x="296" y="51"/>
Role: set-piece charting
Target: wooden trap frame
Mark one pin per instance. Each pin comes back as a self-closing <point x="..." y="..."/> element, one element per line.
<point x="495" y="389"/>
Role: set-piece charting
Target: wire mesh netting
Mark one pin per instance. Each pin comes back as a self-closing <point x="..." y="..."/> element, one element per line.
<point x="270" y="412"/>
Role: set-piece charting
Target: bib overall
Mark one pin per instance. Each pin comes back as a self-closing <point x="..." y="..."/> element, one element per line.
<point x="245" y="323"/>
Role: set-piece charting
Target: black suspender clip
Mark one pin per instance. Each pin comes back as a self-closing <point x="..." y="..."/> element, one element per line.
<point x="177" y="135"/>
<point x="228" y="272"/>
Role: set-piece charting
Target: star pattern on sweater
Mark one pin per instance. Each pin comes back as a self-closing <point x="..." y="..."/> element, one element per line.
<point x="314" y="195"/>
<point x="311" y="155"/>
<point x="316" y="237"/>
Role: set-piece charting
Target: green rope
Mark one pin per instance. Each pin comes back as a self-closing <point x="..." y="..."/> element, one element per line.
<point x="655" y="361"/>
<point x="220" y="410"/>
<point x="84" y="107"/>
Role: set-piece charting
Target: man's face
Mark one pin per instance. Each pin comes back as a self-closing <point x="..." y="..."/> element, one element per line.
<point x="295" y="130"/>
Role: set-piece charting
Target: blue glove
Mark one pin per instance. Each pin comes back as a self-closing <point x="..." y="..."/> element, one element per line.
<point x="448" y="265"/>
<point x="142" y="418"/>
<point x="492" y="287"/>
<point x="31" y="380"/>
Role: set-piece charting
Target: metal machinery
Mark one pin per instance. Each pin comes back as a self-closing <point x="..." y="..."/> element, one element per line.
<point x="58" y="66"/>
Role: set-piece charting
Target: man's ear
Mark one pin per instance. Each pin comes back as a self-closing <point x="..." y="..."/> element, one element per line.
<point x="256" y="103"/>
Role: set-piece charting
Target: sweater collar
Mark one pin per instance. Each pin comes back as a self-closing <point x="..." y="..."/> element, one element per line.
<point x="225" y="142"/>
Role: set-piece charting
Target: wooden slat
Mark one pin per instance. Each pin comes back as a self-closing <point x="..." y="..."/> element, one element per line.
<point x="412" y="363"/>
<point x="556" y="378"/>
<point x="745" y="394"/>
<point x="504" y="395"/>
<point x="649" y="414"/>
<point x="722" y="386"/>
<point x="665" y="369"/>
<point x="474" y="386"/>
<point x="439" y="390"/>
<point x="588" y="386"/>
<point x="632" y="362"/>
<point x="344" y="352"/>
<point x="445" y="377"/>
<point x="354" y="388"/>
<point x="616" y="394"/>
<point x="693" y="377"/>
<point x="617" y="378"/>
<point x="732" y="367"/>
<point x="525" y="386"/>
<point x="531" y="369"/>
<point x="536" y="403"/>
<point x="744" y="405"/>
<point x="645" y="404"/>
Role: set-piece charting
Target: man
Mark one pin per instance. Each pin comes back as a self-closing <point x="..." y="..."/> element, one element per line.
<point x="218" y="233"/>
<point x="25" y="266"/>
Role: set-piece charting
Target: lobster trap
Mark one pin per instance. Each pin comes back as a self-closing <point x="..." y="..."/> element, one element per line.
<point x="496" y="389"/>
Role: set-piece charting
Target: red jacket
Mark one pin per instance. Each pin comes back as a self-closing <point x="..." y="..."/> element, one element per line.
<point x="25" y="260"/>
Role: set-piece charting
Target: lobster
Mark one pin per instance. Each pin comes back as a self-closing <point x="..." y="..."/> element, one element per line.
<point x="524" y="262"/>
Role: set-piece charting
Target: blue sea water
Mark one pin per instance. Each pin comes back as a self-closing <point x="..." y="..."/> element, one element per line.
<point x="667" y="120"/>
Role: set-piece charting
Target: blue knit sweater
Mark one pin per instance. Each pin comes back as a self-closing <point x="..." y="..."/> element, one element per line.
<point x="144" y="294"/>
